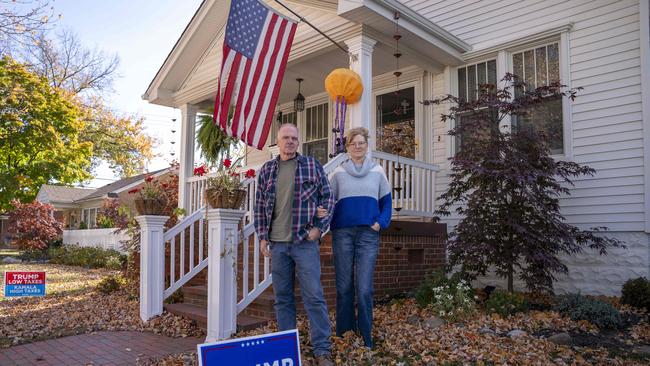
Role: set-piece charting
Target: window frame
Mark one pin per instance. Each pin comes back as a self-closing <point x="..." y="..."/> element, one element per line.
<point x="301" y="119"/>
<point x="504" y="58"/>
<point x="406" y="83"/>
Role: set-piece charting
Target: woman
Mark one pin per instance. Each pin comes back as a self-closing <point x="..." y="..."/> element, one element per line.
<point x="363" y="207"/>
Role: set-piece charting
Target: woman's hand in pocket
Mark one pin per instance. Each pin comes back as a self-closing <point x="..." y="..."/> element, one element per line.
<point x="376" y="227"/>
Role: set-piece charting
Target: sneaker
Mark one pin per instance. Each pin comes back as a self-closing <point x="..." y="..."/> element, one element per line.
<point x="324" y="360"/>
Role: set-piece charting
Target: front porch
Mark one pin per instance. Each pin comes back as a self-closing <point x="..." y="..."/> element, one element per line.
<point x="401" y="129"/>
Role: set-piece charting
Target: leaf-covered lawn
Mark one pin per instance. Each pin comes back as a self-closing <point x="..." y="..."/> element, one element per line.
<point x="72" y="306"/>
<point x="404" y="336"/>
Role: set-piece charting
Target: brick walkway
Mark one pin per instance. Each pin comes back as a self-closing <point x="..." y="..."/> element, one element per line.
<point x="101" y="348"/>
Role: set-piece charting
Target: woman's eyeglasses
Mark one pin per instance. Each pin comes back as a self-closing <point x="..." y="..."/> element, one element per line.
<point x="358" y="144"/>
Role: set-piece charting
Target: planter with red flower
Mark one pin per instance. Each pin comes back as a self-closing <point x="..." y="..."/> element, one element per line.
<point x="150" y="198"/>
<point x="225" y="189"/>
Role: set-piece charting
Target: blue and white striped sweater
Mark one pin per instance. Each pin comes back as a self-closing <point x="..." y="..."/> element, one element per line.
<point x="362" y="195"/>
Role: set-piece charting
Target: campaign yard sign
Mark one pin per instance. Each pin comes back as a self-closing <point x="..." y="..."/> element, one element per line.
<point x="19" y="284"/>
<point x="273" y="349"/>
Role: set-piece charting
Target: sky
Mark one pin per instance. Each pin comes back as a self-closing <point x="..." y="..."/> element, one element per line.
<point x="141" y="33"/>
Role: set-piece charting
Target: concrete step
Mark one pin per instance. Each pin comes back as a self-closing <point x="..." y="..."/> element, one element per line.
<point x="200" y="315"/>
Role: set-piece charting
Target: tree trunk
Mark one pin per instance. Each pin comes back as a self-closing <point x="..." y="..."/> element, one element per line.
<point x="510" y="278"/>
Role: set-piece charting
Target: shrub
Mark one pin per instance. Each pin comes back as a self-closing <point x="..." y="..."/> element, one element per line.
<point x="506" y="303"/>
<point x="89" y="257"/>
<point x="597" y="312"/>
<point x="83" y="225"/>
<point x="110" y="284"/>
<point x="451" y="298"/>
<point x="29" y="255"/>
<point x="33" y="225"/>
<point x="424" y="292"/>
<point x="636" y="292"/>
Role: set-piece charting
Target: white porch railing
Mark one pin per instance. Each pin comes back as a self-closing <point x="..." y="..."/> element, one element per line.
<point x="183" y="251"/>
<point x="416" y="180"/>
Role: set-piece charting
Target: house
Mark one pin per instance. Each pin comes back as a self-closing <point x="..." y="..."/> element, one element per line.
<point x="77" y="208"/>
<point x="448" y="47"/>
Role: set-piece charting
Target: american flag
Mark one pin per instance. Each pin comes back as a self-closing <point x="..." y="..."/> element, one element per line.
<point x="255" y="52"/>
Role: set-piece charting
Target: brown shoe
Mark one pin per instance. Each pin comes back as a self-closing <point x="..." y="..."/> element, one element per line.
<point x="324" y="360"/>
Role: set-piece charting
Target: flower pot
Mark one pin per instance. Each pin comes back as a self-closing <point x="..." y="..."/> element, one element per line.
<point x="149" y="206"/>
<point x="218" y="198"/>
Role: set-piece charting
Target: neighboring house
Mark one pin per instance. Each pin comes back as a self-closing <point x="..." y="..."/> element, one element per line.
<point x="77" y="209"/>
<point x="451" y="46"/>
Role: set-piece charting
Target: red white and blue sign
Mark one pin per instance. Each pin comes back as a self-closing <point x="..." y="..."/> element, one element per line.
<point x="273" y="349"/>
<point x="20" y="284"/>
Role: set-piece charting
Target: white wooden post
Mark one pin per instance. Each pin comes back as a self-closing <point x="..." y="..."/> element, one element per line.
<point x="223" y="236"/>
<point x="152" y="265"/>
<point x="361" y="47"/>
<point x="186" y="169"/>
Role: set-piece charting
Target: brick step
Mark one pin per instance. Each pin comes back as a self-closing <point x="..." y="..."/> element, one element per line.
<point x="200" y="315"/>
<point x="262" y="307"/>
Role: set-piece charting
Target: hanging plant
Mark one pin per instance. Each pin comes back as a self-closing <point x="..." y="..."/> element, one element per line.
<point x="213" y="143"/>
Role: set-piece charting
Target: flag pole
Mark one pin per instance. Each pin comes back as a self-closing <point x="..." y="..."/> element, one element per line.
<point x="317" y="30"/>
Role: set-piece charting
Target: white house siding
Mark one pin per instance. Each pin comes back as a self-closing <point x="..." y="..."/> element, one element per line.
<point x="607" y="124"/>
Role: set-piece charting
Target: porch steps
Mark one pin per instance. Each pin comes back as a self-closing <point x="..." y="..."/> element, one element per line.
<point x="200" y="315"/>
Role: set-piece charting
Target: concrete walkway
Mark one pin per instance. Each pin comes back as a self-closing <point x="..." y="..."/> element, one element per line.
<point x="100" y="348"/>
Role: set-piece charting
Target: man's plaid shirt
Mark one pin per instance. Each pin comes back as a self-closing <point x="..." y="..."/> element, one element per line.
<point x="312" y="189"/>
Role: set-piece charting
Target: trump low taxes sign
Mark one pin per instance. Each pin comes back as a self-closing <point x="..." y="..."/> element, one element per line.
<point x="18" y="284"/>
<point x="274" y="349"/>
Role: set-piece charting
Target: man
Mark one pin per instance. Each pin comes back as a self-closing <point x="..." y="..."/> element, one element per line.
<point x="289" y="189"/>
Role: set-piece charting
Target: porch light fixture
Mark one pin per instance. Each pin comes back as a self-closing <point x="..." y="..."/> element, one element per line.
<point x="299" y="100"/>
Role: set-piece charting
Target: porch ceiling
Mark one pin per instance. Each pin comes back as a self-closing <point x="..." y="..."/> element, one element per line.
<point x="423" y="44"/>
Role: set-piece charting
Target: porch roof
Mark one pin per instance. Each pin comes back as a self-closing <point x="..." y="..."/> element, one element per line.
<point x="424" y="43"/>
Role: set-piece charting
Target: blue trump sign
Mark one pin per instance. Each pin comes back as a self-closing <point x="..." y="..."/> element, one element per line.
<point x="274" y="349"/>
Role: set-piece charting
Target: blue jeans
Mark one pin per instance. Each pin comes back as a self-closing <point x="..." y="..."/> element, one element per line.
<point x="355" y="254"/>
<point x="303" y="259"/>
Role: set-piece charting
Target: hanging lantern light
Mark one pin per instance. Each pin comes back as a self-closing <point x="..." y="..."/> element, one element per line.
<point x="344" y="86"/>
<point x="299" y="100"/>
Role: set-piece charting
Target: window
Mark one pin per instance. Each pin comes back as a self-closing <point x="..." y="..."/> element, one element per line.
<point x="469" y="79"/>
<point x="316" y="122"/>
<point x="89" y="217"/>
<point x="396" y="122"/>
<point x="538" y="67"/>
<point x="280" y="119"/>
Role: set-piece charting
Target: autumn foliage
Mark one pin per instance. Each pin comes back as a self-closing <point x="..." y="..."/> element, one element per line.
<point x="33" y="225"/>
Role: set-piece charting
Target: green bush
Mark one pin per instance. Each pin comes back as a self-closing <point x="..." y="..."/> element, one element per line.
<point x="424" y="292"/>
<point x="33" y="254"/>
<point x="88" y="257"/>
<point x="105" y="222"/>
<point x="597" y="312"/>
<point x="506" y="303"/>
<point x="451" y="298"/>
<point x="83" y="225"/>
<point x="111" y="284"/>
<point x="636" y="293"/>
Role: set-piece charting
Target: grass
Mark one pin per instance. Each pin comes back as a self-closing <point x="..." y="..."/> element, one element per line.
<point x="8" y="252"/>
<point x="60" y="279"/>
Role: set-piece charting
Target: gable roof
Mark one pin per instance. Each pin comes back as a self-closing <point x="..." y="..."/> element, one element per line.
<point x="118" y="186"/>
<point x="62" y="194"/>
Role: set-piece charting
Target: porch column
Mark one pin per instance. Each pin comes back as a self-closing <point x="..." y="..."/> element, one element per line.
<point x="361" y="47"/>
<point x="223" y="236"/>
<point x="152" y="265"/>
<point x="186" y="169"/>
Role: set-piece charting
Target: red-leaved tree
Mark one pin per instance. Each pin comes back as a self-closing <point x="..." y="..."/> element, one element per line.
<point x="33" y="225"/>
